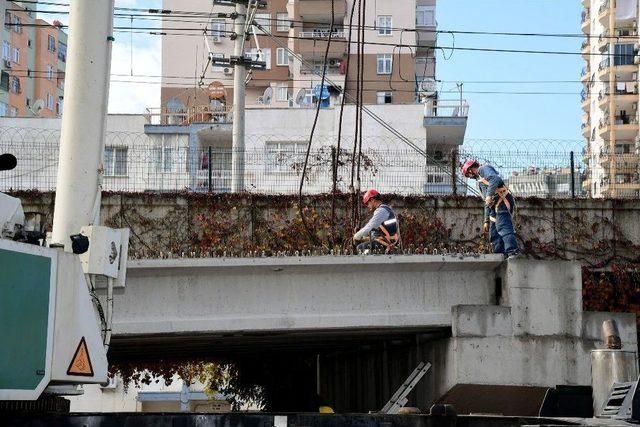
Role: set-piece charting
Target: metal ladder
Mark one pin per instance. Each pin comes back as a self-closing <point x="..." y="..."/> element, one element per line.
<point x="399" y="398"/>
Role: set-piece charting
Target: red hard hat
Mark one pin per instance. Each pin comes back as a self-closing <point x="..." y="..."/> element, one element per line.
<point x="468" y="165"/>
<point x="369" y="195"/>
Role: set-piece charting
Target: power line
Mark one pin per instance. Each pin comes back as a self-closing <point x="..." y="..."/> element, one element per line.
<point x="186" y="31"/>
<point x="167" y="15"/>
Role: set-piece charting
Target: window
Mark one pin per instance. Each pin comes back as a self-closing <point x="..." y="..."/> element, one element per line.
<point x="384" y="97"/>
<point x="59" y="108"/>
<point x="49" y="102"/>
<point x="17" y="24"/>
<point x="15" y="85"/>
<point x="263" y="55"/>
<point x="623" y="54"/>
<point x="282" y="57"/>
<point x="425" y="16"/>
<point x="115" y="161"/>
<point x="14" y="112"/>
<point x="308" y="96"/>
<point x="385" y="63"/>
<point x="3" y="109"/>
<point x="282" y="93"/>
<point x="16" y="55"/>
<point x="7" y="19"/>
<point x="282" y="20"/>
<point x="163" y="156"/>
<point x="6" y="51"/>
<point x="384" y="25"/>
<point x="50" y="72"/>
<point x="51" y="43"/>
<point x="218" y="28"/>
<point x="4" y="81"/>
<point x="283" y="156"/>
<point x="62" y="52"/>
<point x="264" y="20"/>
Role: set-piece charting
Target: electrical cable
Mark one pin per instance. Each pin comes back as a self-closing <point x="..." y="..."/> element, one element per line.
<point x="312" y="235"/>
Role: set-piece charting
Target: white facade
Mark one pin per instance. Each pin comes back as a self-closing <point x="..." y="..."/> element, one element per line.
<point x="172" y="158"/>
<point x="610" y="97"/>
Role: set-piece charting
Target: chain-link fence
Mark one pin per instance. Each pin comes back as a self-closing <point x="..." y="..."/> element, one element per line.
<point x="274" y="164"/>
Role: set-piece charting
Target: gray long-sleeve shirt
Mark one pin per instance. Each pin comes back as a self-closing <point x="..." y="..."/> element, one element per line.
<point x="380" y="215"/>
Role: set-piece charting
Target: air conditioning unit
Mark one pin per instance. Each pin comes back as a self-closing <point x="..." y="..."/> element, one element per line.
<point x="634" y="106"/>
<point x="7" y="64"/>
<point x="291" y="103"/>
<point x="333" y="62"/>
<point x="636" y="46"/>
<point x="216" y="38"/>
<point x="228" y="71"/>
<point x="636" y="60"/>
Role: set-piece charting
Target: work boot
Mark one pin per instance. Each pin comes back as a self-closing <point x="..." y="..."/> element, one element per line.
<point x="514" y="255"/>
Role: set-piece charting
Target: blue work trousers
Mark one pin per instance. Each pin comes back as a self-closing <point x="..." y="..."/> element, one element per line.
<point x="501" y="231"/>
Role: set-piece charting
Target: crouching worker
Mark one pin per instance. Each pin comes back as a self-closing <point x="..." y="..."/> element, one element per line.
<point x="381" y="234"/>
<point x="499" y="208"/>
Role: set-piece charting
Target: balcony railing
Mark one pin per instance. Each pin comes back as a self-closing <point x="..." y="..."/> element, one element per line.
<point x="322" y="34"/>
<point x="586" y="16"/>
<point x="446" y="108"/>
<point x="198" y="114"/>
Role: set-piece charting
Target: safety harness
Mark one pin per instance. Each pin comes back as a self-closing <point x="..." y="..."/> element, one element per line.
<point x="502" y="193"/>
<point x="388" y="233"/>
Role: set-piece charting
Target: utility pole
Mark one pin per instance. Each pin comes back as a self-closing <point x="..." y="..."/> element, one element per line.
<point x="245" y="11"/>
<point x="239" y="76"/>
<point x="84" y="120"/>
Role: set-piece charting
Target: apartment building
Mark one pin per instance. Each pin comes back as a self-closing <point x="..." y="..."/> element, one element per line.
<point x="33" y="63"/>
<point x="392" y="75"/>
<point x="610" y="98"/>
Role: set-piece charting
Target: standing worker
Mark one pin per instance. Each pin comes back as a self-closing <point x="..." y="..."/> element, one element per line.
<point x="381" y="232"/>
<point x="499" y="208"/>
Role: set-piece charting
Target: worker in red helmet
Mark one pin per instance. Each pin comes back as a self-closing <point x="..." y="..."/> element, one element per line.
<point x="381" y="233"/>
<point x="499" y="208"/>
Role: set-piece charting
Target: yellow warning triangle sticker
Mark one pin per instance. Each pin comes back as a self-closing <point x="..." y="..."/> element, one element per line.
<point x="81" y="362"/>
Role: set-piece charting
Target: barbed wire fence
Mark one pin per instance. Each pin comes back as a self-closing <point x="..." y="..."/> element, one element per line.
<point x="138" y="162"/>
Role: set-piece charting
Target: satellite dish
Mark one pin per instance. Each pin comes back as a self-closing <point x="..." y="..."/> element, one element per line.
<point x="37" y="107"/>
<point x="428" y="87"/>
<point x="267" y="96"/>
<point x="301" y="96"/>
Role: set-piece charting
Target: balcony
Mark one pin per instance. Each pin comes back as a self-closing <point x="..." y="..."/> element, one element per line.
<point x="585" y="97"/>
<point x="201" y="114"/>
<point x="625" y="94"/>
<point x="604" y="11"/>
<point x="446" y="120"/>
<point x="625" y="127"/>
<point x="586" y="21"/>
<point x="585" y="74"/>
<point x="426" y="36"/>
<point x="313" y="43"/>
<point x="586" y="128"/>
<point x="320" y="10"/>
<point x="585" y="48"/>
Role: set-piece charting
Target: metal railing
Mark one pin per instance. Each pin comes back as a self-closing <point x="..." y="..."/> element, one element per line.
<point x="446" y="108"/>
<point x="322" y="34"/>
<point x="197" y="114"/>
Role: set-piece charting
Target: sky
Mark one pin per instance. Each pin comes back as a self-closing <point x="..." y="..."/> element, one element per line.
<point x="509" y="115"/>
<point x="493" y="116"/>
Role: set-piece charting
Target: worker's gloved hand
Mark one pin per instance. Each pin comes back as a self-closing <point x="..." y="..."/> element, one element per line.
<point x="488" y="201"/>
<point x="485" y="227"/>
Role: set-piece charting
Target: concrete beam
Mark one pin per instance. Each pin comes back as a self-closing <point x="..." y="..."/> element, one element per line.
<point x="236" y="295"/>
